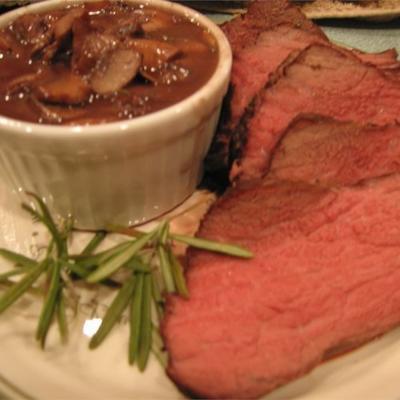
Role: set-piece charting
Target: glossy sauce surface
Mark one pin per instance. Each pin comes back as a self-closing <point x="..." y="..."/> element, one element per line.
<point x="101" y="62"/>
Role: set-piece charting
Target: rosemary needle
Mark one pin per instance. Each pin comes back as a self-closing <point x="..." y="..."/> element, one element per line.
<point x="114" y="312"/>
<point x="94" y="243"/>
<point x="50" y="304"/>
<point x="13" y="293"/>
<point x="135" y="319"/>
<point x="62" y="318"/>
<point x="93" y="260"/>
<point x="77" y="269"/>
<point x="177" y="273"/>
<point x="164" y="259"/>
<point x="210" y="245"/>
<point x="166" y="269"/>
<point x="146" y="333"/>
<point x="48" y="221"/>
<point x="113" y="264"/>
<point x="158" y="299"/>
<point x="17" y="259"/>
<point x="5" y="275"/>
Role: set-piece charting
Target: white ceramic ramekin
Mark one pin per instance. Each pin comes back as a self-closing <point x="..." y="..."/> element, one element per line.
<point x="118" y="173"/>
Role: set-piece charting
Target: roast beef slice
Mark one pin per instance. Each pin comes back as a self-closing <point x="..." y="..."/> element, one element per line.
<point x="321" y="80"/>
<point x="325" y="277"/>
<point x="253" y="65"/>
<point x="251" y="70"/>
<point x="262" y="40"/>
<point x="261" y="15"/>
<point x="328" y="152"/>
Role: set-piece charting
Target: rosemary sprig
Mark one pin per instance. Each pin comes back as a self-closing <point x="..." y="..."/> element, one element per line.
<point x="152" y="269"/>
<point x="46" y="219"/>
<point x="51" y="266"/>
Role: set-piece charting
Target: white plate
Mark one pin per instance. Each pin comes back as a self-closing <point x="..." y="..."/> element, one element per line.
<point x="75" y="372"/>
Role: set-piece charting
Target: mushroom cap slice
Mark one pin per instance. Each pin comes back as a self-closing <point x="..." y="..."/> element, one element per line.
<point x="115" y="70"/>
<point x="66" y="88"/>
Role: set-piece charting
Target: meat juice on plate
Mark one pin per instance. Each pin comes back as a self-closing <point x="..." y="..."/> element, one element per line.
<point x="100" y="62"/>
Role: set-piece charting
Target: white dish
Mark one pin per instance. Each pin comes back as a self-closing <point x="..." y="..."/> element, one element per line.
<point x="75" y="372"/>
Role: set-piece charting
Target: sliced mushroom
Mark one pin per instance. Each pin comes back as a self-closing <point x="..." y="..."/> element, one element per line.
<point x="23" y="81"/>
<point x="61" y="30"/>
<point x="166" y="74"/>
<point x="127" y="26"/>
<point x="156" y="56"/>
<point x="52" y="114"/>
<point x="64" y="25"/>
<point x="34" y="30"/>
<point x="154" y="52"/>
<point x="124" y="26"/>
<point x="89" y="47"/>
<point x="115" y="70"/>
<point x="153" y="20"/>
<point x="191" y="46"/>
<point x="66" y="88"/>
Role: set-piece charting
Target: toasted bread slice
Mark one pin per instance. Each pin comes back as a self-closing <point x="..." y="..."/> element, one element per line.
<point x="377" y="9"/>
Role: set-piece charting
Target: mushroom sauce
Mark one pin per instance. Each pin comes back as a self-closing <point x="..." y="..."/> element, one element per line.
<point x="101" y="62"/>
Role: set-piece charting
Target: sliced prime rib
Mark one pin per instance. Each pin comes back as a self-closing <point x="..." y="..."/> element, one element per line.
<point x="251" y="70"/>
<point x="320" y="80"/>
<point x="244" y="30"/>
<point x="265" y="37"/>
<point x="323" y="226"/>
<point x="324" y="151"/>
<point x="253" y="65"/>
<point x="325" y="278"/>
<point x="322" y="223"/>
<point x="256" y="55"/>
